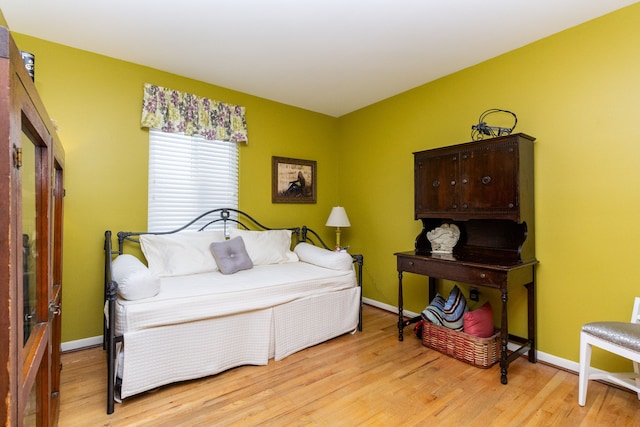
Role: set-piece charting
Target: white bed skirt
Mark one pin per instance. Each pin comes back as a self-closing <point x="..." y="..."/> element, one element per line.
<point x="167" y="354"/>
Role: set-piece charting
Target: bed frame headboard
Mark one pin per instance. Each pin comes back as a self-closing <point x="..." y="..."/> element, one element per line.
<point x="223" y="218"/>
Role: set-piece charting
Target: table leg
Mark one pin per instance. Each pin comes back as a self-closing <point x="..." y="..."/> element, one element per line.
<point x="504" y="339"/>
<point x="531" y="320"/>
<point x="400" y="308"/>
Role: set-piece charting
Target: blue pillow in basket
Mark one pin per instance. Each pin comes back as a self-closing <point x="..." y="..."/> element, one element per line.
<point x="449" y="312"/>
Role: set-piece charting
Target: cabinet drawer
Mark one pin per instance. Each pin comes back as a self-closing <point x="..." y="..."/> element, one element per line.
<point x="453" y="270"/>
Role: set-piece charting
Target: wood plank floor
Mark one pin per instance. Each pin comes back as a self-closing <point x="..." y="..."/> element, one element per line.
<point x="368" y="378"/>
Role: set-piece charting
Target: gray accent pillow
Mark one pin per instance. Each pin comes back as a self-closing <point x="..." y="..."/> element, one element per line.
<point x="231" y="255"/>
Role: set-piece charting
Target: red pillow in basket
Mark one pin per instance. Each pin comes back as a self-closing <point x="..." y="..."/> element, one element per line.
<point x="479" y="322"/>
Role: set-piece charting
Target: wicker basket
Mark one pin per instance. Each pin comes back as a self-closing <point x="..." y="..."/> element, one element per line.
<point x="480" y="352"/>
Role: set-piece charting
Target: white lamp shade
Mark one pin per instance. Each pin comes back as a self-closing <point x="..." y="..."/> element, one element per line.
<point x="338" y="218"/>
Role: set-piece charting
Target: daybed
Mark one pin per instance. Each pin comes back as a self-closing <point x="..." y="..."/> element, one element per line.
<point x="220" y="292"/>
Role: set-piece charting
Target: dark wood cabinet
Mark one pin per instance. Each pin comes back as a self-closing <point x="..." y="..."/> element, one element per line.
<point x="486" y="189"/>
<point x="31" y="219"/>
<point x="475" y="180"/>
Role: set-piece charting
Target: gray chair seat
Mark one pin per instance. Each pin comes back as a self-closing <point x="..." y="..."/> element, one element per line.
<point x="620" y="333"/>
<point x="621" y="338"/>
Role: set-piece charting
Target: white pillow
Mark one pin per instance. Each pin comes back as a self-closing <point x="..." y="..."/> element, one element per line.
<point x="134" y="279"/>
<point x="185" y="252"/>
<point x="267" y="247"/>
<point x="323" y="257"/>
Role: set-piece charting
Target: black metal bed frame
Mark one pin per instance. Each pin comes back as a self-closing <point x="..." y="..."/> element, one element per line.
<point x="224" y="215"/>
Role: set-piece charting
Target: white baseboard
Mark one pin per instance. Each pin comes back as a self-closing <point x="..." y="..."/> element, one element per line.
<point x="83" y="343"/>
<point x="542" y="357"/>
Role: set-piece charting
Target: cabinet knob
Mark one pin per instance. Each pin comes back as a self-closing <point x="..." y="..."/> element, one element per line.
<point x="465" y="180"/>
<point x="483" y="276"/>
<point x="510" y="205"/>
<point x="54" y="309"/>
<point x="465" y="206"/>
<point x="453" y="182"/>
<point x="436" y="184"/>
<point x="410" y="262"/>
<point x="486" y="179"/>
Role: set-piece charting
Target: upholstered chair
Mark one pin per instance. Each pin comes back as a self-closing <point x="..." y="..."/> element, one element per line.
<point x="621" y="338"/>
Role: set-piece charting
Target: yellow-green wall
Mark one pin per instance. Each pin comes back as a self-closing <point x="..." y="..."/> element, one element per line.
<point x="96" y="102"/>
<point x="577" y="92"/>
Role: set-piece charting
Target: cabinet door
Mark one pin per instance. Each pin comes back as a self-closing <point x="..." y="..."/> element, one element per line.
<point x="56" y="308"/>
<point x="34" y="279"/>
<point x="436" y="184"/>
<point x="489" y="180"/>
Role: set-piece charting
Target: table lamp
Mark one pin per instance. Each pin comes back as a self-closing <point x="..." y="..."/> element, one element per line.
<point x="338" y="218"/>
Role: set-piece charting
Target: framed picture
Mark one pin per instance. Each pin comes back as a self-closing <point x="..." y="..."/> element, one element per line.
<point x="293" y="180"/>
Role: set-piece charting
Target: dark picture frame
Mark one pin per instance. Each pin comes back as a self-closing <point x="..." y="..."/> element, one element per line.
<point x="293" y="180"/>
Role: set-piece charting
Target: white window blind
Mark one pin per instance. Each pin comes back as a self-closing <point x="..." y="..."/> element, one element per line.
<point x="189" y="175"/>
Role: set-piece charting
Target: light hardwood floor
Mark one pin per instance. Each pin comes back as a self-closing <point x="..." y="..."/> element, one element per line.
<point x="368" y="378"/>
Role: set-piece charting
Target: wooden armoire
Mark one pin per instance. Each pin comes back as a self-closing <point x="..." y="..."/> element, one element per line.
<point x="31" y="209"/>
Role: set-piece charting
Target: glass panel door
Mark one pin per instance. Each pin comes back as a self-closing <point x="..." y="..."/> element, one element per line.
<point x="35" y="284"/>
<point x="29" y="238"/>
<point x="56" y="326"/>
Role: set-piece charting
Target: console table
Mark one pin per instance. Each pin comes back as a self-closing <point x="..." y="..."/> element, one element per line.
<point x="485" y="188"/>
<point x="479" y="273"/>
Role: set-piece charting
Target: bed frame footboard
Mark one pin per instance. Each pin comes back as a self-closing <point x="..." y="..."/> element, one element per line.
<point x="110" y="339"/>
<point x="308" y="235"/>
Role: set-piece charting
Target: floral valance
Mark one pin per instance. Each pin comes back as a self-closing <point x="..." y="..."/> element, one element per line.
<point x="176" y="112"/>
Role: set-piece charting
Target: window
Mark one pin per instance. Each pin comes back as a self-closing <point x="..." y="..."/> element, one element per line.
<point x="189" y="175"/>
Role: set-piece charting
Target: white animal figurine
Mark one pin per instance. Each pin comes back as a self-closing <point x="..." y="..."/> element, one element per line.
<point x="443" y="238"/>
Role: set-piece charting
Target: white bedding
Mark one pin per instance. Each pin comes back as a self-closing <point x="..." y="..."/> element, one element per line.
<point x="209" y="295"/>
<point x="244" y="338"/>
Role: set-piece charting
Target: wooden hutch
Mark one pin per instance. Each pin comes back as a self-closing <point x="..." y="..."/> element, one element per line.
<point x="486" y="189"/>
<point x="31" y="186"/>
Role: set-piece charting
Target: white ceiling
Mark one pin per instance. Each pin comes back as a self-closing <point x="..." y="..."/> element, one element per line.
<point x="328" y="56"/>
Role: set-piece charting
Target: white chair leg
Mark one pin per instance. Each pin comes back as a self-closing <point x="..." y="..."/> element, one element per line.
<point x="585" y="364"/>
<point x="636" y="369"/>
